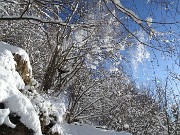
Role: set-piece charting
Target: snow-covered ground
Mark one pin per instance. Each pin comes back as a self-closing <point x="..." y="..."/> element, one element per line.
<point x="88" y="130"/>
<point x="29" y="105"/>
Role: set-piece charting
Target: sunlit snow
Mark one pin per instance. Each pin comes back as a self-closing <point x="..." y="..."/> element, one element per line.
<point x="149" y="21"/>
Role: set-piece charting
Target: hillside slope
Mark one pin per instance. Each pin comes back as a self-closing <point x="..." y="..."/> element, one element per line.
<point x="23" y="110"/>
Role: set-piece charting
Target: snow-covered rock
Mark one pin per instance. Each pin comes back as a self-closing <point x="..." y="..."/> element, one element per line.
<point x="10" y="83"/>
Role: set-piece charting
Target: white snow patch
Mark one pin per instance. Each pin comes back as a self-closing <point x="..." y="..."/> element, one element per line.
<point x="126" y="126"/>
<point x="113" y="69"/>
<point x="48" y="106"/>
<point x="149" y="21"/>
<point x="4" y="118"/>
<point x="80" y="36"/>
<point x="7" y="70"/>
<point x="13" y="49"/>
<point x="88" y="130"/>
<point x="58" y="129"/>
<point x="93" y="67"/>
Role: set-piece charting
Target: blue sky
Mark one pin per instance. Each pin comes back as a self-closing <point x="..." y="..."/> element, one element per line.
<point x="158" y="64"/>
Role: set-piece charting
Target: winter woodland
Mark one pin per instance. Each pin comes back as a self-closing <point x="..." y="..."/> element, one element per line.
<point x="68" y="67"/>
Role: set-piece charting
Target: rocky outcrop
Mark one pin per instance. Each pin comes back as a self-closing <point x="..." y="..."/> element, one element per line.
<point x="22" y="68"/>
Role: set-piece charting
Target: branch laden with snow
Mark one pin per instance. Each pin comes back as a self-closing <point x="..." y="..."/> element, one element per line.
<point x="128" y="12"/>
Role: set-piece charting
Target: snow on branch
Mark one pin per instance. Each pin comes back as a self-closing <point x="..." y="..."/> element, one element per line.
<point x="34" y="18"/>
<point x="128" y="12"/>
<point x="38" y="19"/>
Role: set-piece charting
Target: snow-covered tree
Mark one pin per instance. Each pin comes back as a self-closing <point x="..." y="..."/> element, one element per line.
<point x="78" y="47"/>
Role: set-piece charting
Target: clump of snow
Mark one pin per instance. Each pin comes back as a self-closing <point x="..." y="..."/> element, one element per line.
<point x="57" y="128"/>
<point x="113" y="69"/>
<point x="93" y="67"/>
<point x="13" y="49"/>
<point x="13" y="99"/>
<point x="4" y="118"/>
<point x="8" y="72"/>
<point x="126" y="126"/>
<point x="47" y="106"/>
<point x="80" y="36"/>
<point x="51" y="108"/>
<point x="149" y="21"/>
